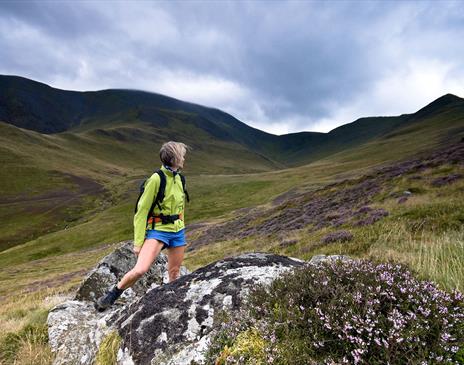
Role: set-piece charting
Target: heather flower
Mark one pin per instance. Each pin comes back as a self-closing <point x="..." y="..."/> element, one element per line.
<point x="444" y="180"/>
<point x="341" y="236"/>
<point x="353" y="312"/>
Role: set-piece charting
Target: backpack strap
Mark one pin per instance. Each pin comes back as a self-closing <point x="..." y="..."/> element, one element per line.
<point x="159" y="196"/>
<point x="182" y="178"/>
<point x="141" y="190"/>
<point x="162" y="188"/>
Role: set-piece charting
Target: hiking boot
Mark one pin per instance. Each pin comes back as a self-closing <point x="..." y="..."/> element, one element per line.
<point x="108" y="299"/>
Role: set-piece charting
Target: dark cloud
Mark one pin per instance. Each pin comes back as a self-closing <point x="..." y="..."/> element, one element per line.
<point x="281" y="66"/>
<point x="64" y="19"/>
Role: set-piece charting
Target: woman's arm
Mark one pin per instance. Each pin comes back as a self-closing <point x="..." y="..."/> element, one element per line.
<point x="143" y="207"/>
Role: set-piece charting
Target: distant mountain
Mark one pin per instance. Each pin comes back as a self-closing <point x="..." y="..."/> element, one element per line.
<point x="35" y="106"/>
<point x="41" y="108"/>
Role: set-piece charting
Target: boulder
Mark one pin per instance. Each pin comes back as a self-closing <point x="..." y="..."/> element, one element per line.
<point x="75" y="329"/>
<point x="318" y="259"/>
<point x="173" y="323"/>
<point x="159" y="323"/>
<point x="113" y="267"/>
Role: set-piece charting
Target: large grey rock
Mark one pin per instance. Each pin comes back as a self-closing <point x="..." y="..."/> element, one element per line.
<point x="75" y="329"/>
<point x="168" y="324"/>
<point x="172" y="324"/>
<point x="113" y="267"/>
<point x="317" y="259"/>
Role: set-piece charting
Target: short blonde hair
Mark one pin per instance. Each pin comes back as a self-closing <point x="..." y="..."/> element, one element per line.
<point x="172" y="153"/>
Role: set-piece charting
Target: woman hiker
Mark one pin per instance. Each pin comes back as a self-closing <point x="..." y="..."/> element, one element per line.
<point x="158" y="222"/>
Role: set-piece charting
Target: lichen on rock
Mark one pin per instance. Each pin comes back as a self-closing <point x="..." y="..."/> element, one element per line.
<point x="172" y="323"/>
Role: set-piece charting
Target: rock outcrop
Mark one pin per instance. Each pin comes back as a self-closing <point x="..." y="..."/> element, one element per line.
<point x="172" y="323"/>
<point x="75" y="328"/>
<point x="113" y="267"/>
<point x="158" y="322"/>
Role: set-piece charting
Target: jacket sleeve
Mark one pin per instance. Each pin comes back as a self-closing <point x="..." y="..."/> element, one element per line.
<point x="143" y="207"/>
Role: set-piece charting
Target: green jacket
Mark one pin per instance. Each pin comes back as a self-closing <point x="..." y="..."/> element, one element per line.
<point x="173" y="203"/>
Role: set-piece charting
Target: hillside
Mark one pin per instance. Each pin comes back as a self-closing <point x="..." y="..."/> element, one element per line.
<point x="397" y="209"/>
<point x="216" y="198"/>
<point x="35" y="106"/>
<point x="68" y="157"/>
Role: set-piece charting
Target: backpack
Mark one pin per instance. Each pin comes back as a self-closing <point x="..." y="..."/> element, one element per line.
<point x="160" y="195"/>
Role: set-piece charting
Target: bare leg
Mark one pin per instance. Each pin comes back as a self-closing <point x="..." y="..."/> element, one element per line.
<point x="175" y="257"/>
<point x="150" y="250"/>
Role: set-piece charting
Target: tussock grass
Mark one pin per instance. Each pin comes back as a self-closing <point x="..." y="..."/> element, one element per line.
<point x="29" y="345"/>
<point x="433" y="255"/>
<point x="23" y="326"/>
<point x="32" y="353"/>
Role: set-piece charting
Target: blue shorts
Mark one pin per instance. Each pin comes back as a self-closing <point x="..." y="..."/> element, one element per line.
<point x="170" y="239"/>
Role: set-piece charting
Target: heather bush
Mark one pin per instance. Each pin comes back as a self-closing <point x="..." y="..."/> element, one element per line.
<point x="341" y="236"/>
<point x="443" y="180"/>
<point x="354" y="312"/>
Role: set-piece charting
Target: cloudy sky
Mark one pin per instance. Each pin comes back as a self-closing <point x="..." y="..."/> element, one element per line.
<point x="280" y="66"/>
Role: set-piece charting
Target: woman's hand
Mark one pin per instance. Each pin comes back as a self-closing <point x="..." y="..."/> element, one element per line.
<point x="137" y="250"/>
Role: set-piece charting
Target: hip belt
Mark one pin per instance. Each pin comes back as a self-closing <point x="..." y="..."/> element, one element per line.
<point x="165" y="219"/>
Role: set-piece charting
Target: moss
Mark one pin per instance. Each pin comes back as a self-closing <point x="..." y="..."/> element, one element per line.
<point x="248" y="345"/>
<point x="108" y="350"/>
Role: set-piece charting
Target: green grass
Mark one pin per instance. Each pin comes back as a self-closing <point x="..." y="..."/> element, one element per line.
<point x="436" y="256"/>
<point x="24" y="332"/>
<point x="111" y="225"/>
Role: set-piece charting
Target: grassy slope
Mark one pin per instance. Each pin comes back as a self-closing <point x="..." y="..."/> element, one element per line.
<point x="36" y="106"/>
<point x="216" y="195"/>
<point x="426" y="232"/>
<point x="42" y="185"/>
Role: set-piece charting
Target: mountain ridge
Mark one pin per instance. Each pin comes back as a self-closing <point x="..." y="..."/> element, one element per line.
<point x="37" y="106"/>
<point x="441" y="101"/>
